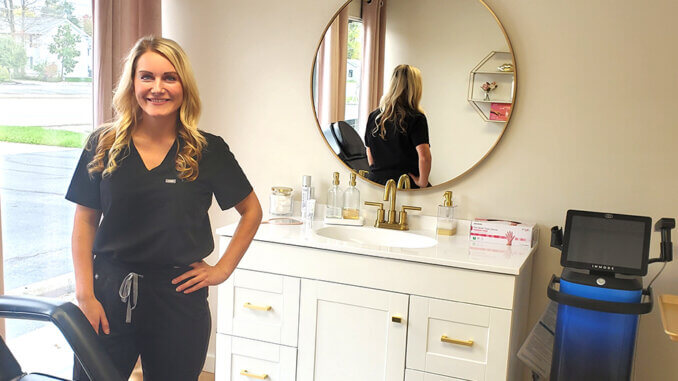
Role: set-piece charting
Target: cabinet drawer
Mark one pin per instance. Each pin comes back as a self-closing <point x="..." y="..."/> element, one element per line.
<point x="457" y="339"/>
<point x="415" y="375"/>
<point x="260" y="306"/>
<point x="244" y="359"/>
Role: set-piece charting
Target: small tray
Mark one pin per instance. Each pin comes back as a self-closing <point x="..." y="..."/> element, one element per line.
<point x="668" y="305"/>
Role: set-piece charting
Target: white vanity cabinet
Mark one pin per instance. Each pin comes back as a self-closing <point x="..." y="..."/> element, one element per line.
<point x="306" y="308"/>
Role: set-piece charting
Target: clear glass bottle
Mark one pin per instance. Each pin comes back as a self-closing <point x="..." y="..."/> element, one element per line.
<point x="334" y="199"/>
<point x="306" y="195"/>
<point x="280" y="202"/>
<point x="351" y="209"/>
<point x="446" y="224"/>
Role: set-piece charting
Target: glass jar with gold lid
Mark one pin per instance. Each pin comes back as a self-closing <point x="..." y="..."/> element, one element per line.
<point x="281" y="202"/>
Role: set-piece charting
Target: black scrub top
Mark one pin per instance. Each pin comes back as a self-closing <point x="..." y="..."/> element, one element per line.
<point x="397" y="154"/>
<point x="152" y="216"/>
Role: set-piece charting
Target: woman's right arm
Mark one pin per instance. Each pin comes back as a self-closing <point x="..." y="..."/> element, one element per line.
<point x="85" y="227"/>
<point x="424" y="154"/>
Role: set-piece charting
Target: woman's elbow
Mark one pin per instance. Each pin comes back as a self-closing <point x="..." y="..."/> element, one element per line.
<point x="250" y="209"/>
<point x="255" y="212"/>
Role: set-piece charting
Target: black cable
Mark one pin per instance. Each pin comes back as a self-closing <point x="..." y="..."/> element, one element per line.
<point x="657" y="275"/>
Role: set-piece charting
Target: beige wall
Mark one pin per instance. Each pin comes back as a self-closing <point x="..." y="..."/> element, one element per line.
<point x="591" y="129"/>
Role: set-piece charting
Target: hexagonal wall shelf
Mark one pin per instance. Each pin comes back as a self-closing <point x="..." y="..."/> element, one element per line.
<point x="495" y="105"/>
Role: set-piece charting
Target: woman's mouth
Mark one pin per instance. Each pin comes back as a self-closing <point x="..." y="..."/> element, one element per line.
<point x="157" y="101"/>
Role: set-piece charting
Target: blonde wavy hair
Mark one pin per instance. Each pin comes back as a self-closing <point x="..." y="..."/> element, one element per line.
<point x="114" y="138"/>
<point x="401" y="99"/>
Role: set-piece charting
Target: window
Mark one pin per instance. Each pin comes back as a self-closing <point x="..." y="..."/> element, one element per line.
<point x="40" y="105"/>
<point x="353" y="67"/>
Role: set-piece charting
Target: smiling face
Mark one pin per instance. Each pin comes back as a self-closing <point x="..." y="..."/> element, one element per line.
<point x="157" y="86"/>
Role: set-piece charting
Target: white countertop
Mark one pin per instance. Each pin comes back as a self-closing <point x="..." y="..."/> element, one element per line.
<point x="453" y="251"/>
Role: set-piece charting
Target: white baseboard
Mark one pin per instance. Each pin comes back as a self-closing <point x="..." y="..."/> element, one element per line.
<point x="209" y="363"/>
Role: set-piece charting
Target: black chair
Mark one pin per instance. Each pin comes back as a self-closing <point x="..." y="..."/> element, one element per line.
<point x="347" y="144"/>
<point x="73" y="325"/>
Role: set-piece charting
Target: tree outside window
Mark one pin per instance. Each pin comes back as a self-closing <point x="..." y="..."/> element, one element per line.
<point x="65" y="47"/>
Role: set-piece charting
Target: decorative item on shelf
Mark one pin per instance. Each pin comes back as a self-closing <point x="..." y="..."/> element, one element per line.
<point x="487" y="87"/>
<point x="507" y="67"/>
<point x="500" y="111"/>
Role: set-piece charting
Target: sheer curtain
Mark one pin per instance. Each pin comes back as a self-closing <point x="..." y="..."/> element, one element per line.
<point x="331" y="66"/>
<point x="372" y="81"/>
<point x="117" y="26"/>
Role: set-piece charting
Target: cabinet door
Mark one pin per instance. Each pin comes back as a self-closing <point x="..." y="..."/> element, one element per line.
<point x="351" y="333"/>
<point x="241" y="359"/>
<point x="259" y="306"/>
<point x="415" y="375"/>
<point x="461" y="340"/>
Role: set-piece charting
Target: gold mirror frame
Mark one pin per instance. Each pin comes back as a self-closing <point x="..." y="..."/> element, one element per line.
<point x="445" y="183"/>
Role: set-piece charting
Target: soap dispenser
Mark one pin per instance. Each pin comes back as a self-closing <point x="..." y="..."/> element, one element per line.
<point x="446" y="224"/>
<point x="351" y="209"/>
<point x="334" y="199"/>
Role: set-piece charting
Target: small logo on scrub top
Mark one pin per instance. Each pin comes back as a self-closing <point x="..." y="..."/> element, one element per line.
<point x="170" y="181"/>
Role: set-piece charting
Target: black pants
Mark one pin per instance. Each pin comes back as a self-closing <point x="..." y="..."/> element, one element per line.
<point x="170" y="330"/>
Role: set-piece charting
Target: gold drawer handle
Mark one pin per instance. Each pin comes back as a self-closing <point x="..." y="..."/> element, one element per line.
<point x="467" y="343"/>
<point x="396" y="319"/>
<point x="258" y="308"/>
<point x="252" y="375"/>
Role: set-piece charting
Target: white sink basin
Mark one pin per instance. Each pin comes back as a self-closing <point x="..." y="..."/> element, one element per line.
<point x="378" y="237"/>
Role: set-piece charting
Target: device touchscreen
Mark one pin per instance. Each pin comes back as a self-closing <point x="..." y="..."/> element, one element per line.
<point x="607" y="242"/>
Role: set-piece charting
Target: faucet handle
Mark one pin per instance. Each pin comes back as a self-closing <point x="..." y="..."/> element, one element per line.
<point x="378" y="204"/>
<point x="380" y="211"/>
<point x="403" y="216"/>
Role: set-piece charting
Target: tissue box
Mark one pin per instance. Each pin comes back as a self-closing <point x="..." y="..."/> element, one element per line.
<point x="510" y="233"/>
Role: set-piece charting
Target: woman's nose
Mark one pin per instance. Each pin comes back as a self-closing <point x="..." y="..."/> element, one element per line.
<point x="157" y="86"/>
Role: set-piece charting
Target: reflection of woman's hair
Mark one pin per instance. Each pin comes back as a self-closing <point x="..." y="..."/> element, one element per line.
<point x="115" y="137"/>
<point x="401" y="99"/>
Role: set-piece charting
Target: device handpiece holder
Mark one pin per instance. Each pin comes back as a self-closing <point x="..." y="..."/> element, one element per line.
<point x="665" y="225"/>
<point x="557" y="237"/>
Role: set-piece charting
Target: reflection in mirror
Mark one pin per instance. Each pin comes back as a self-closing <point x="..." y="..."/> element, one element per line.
<point x="458" y="45"/>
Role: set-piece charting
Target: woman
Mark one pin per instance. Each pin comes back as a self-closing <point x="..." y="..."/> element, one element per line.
<point x="397" y="133"/>
<point x="151" y="174"/>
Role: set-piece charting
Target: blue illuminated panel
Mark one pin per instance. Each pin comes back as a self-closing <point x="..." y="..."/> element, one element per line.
<point x="592" y="345"/>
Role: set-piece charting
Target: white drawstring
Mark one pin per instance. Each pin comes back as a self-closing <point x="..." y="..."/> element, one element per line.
<point x="130" y="284"/>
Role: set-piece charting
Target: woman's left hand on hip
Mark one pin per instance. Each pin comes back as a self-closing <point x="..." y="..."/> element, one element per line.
<point x="202" y="275"/>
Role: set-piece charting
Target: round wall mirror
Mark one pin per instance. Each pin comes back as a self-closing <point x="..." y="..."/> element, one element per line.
<point x="467" y="69"/>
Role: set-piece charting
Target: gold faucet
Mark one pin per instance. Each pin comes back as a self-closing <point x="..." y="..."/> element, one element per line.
<point x="404" y="182"/>
<point x="390" y="195"/>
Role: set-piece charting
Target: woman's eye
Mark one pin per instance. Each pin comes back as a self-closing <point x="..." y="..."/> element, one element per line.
<point x="146" y="77"/>
<point x="171" y="78"/>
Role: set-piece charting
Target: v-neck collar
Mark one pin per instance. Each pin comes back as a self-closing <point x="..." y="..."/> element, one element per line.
<point x="173" y="148"/>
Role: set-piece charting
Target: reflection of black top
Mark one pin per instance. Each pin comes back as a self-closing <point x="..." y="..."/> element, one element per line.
<point x="397" y="154"/>
<point x="153" y="216"/>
